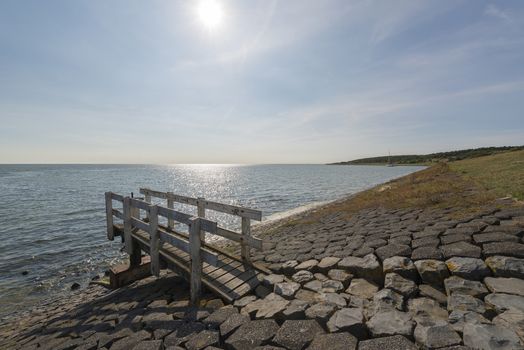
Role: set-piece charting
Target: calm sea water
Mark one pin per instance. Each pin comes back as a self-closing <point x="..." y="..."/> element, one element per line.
<point x="52" y="217"/>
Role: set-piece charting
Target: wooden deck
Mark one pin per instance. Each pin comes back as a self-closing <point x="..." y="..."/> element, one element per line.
<point x="230" y="279"/>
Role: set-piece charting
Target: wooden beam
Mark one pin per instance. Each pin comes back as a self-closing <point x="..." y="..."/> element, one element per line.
<point x="128" y="241"/>
<point x="170" y="205"/>
<point x="109" y="216"/>
<point x="196" y="263"/>
<point x="201" y="213"/>
<point x="155" y="241"/>
<point x="246" y="233"/>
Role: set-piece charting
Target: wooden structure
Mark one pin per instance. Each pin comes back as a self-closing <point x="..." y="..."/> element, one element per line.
<point x="226" y="275"/>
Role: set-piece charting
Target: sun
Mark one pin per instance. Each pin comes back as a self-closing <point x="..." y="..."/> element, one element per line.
<point x="210" y="14"/>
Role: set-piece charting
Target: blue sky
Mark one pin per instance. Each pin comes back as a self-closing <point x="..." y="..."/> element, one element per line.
<point x="273" y="82"/>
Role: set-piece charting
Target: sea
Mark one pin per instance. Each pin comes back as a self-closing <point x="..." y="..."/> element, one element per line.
<point x="52" y="217"/>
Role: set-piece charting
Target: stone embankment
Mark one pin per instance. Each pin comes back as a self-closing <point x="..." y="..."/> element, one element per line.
<point x="383" y="279"/>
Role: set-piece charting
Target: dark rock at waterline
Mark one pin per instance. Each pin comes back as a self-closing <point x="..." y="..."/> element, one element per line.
<point x="95" y="278"/>
<point x="75" y="286"/>
<point x="24" y="273"/>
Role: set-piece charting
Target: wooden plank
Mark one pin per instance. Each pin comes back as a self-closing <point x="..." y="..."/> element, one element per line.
<point x="117" y="213"/>
<point x="137" y="203"/>
<point x="221" y="207"/>
<point x="251" y="241"/>
<point x="139" y="224"/>
<point x="154" y="241"/>
<point x="196" y="263"/>
<point x="183" y="244"/>
<point x="234" y="210"/>
<point x="109" y="216"/>
<point x="246" y="232"/>
<point x="117" y="197"/>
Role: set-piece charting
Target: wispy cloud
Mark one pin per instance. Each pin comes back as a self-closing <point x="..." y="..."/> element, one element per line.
<point x="494" y="11"/>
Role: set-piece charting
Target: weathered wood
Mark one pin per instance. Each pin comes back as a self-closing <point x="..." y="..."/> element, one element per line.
<point x="220" y="207"/>
<point x="117" y="213"/>
<point x="170" y="205"/>
<point x="140" y="224"/>
<point x="244" y="247"/>
<point x="184" y="245"/>
<point x="137" y="203"/>
<point x="206" y="225"/>
<point x="117" y="197"/>
<point x="201" y="213"/>
<point x="128" y="241"/>
<point x="196" y="263"/>
<point x="237" y="237"/>
<point x="147" y="199"/>
<point x="109" y="216"/>
<point x="155" y="241"/>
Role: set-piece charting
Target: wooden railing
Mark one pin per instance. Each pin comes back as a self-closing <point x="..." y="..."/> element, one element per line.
<point x="197" y="226"/>
<point x="243" y="237"/>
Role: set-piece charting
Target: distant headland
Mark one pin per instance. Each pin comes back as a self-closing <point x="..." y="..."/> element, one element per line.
<point x="427" y="159"/>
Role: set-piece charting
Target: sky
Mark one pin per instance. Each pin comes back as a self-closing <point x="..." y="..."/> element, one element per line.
<point x="223" y="81"/>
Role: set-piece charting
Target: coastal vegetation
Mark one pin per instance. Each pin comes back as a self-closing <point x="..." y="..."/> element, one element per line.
<point x="428" y="159"/>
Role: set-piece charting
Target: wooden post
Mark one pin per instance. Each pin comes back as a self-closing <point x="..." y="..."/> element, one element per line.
<point x="109" y="216"/>
<point x="147" y="198"/>
<point x="246" y="232"/>
<point x="196" y="263"/>
<point x="201" y="212"/>
<point x="170" y="205"/>
<point x="155" y="241"/>
<point x="127" y="226"/>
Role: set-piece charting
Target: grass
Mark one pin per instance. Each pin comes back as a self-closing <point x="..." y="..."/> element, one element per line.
<point x="502" y="174"/>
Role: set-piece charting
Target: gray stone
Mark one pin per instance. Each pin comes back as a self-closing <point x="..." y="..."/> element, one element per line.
<point x="320" y="312"/>
<point x="202" y="340"/>
<point x="367" y="267"/>
<point x="433" y="293"/>
<point x="502" y="302"/>
<point x="400" y="265"/>
<point x="391" y="322"/>
<point x="307" y="295"/>
<point x="262" y="291"/>
<point x="220" y="315"/>
<point x="504" y="266"/>
<point x="296" y="334"/>
<point x="328" y="263"/>
<point x="271" y="280"/>
<point x="287" y="289"/>
<point x="183" y="333"/>
<point x="315" y="285"/>
<point x="143" y="345"/>
<point x="244" y="301"/>
<point x="401" y="285"/>
<point x="425" y="242"/>
<point x="388" y="298"/>
<point x="464" y="302"/>
<point x="334" y="341"/>
<point x="469" y="268"/>
<point x="505" y="285"/>
<point x="348" y="319"/>
<point x="361" y="288"/>
<point x="458" y="237"/>
<point x="489" y="336"/>
<point x="271" y="306"/>
<point x="459" y="318"/>
<point x="341" y="276"/>
<point x="333" y="298"/>
<point x="494" y="237"/>
<point x="252" y="334"/>
<point x="504" y="248"/>
<point x="302" y="276"/>
<point x="426" y="309"/>
<point x="309" y="265"/>
<point x="441" y="336"/>
<point x="512" y="319"/>
<point x="320" y="276"/>
<point x="396" y="342"/>
<point x="288" y="268"/>
<point x="432" y="272"/>
<point x="393" y="250"/>
<point x="457" y="285"/>
<point x="127" y="342"/>
<point x="232" y="323"/>
<point x="426" y="253"/>
<point x="296" y="310"/>
<point x="331" y="286"/>
<point x="462" y="249"/>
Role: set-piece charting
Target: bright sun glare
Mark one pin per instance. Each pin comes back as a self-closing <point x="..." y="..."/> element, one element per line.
<point x="210" y="14"/>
